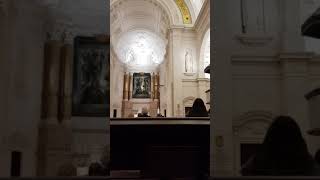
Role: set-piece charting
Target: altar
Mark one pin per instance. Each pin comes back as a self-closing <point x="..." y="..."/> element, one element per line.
<point x="156" y="147"/>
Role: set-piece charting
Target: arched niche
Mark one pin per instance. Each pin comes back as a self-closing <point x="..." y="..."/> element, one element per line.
<point x="252" y="123"/>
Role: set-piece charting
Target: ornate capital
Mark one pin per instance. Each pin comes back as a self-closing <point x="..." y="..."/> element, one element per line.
<point x="61" y="31"/>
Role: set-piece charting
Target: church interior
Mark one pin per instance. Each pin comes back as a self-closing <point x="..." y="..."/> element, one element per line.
<point x="167" y="44"/>
<point x="112" y="84"/>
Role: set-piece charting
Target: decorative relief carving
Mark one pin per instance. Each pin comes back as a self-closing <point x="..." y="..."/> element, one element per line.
<point x="141" y="48"/>
<point x="252" y="123"/>
<point x="61" y="31"/>
<point x="184" y="11"/>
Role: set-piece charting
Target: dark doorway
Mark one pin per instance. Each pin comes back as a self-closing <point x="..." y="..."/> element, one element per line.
<point x="114" y="113"/>
<point x="16" y="157"/>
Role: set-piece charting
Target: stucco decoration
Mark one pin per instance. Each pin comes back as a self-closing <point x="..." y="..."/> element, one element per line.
<point x="141" y="48"/>
<point x="184" y="11"/>
<point x="253" y="123"/>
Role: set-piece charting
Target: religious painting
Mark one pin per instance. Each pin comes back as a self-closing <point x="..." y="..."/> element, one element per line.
<point x="91" y="77"/>
<point x="141" y="85"/>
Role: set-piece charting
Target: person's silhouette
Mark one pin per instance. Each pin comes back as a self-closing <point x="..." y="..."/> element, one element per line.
<point x="283" y="152"/>
<point x="198" y="109"/>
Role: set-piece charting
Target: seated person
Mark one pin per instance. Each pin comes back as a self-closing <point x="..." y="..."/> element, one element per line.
<point x="198" y="109"/>
<point x="159" y="115"/>
<point x="96" y="169"/>
<point x="144" y="113"/>
<point x="284" y="152"/>
<point x="130" y="115"/>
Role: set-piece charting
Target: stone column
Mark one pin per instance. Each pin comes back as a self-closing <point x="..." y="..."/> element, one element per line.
<point x="295" y="84"/>
<point x="51" y="81"/>
<point x="125" y="86"/>
<point x="156" y="86"/>
<point x="66" y="74"/>
<point x="177" y="71"/>
<point x="153" y="89"/>
<point x="157" y="93"/>
<point x="55" y="134"/>
<point x="130" y="86"/>
<point x="126" y="104"/>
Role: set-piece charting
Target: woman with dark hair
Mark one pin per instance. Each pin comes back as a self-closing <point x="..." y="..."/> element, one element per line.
<point x="198" y="109"/>
<point x="96" y="169"/>
<point x="283" y="152"/>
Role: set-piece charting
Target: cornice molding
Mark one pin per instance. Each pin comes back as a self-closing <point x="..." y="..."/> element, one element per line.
<point x="254" y="40"/>
<point x="297" y="56"/>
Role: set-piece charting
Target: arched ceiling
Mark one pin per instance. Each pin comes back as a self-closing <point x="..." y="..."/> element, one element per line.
<point x="185" y="12"/>
<point x="196" y="7"/>
<point x="146" y="17"/>
<point x="127" y="15"/>
<point x="138" y="24"/>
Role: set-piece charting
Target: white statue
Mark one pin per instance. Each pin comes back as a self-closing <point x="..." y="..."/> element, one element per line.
<point x="188" y="61"/>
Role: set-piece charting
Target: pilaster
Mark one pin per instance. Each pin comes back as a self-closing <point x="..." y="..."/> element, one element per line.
<point x="221" y="133"/>
<point x="294" y="86"/>
<point x="176" y="34"/>
<point x="292" y="40"/>
<point x="55" y="134"/>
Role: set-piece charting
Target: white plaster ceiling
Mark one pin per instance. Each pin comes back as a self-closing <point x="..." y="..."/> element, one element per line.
<point x="196" y="6"/>
<point x="127" y="15"/>
<point x="139" y="31"/>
